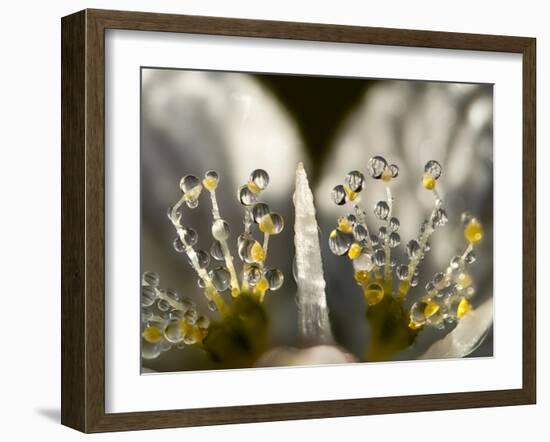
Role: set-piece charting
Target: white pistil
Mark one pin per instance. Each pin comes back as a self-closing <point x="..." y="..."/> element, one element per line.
<point x="313" y="320"/>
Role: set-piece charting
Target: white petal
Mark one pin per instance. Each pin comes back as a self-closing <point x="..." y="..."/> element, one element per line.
<point x="320" y="354"/>
<point x="466" y="337"/>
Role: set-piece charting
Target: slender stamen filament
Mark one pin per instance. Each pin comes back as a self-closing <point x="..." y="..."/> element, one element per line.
<point x="387" y="250"/>
<point x="423" y="241"/>
<point x="228" y="258"/>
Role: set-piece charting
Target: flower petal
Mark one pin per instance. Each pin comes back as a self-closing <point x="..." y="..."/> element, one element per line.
<point x="466" y="337"/>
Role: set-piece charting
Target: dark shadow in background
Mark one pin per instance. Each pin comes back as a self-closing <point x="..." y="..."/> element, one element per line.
<point x="318" y="105"/>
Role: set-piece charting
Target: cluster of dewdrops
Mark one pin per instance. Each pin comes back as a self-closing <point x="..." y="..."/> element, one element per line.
<point x="447" y="295"/>
<point x="169" y="319"/>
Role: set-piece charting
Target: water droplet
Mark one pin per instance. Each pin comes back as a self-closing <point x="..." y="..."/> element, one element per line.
<point x="190" y="236"/>
<point x="216" y="251"/>
<point x="413" y="249"/>
<point x="394" y="169"/>
<point x="211" y="180"/>
<point x="364" y="262"/>
<point x="455" y="262"/>
<point x="339" y="242"/>
<point x="436" y="316"/>
<point x="360" y="232"/>
<point x="190" y="339"/>
<point x="427" y="246"/>
<point x="339" y="195"/>
<point x="220" y="230"/>
<point x="178" y="245"/>
<point x="381" y="210"/>
<point x="191" y="187"/>
<point x="220" y="278"/>
<point x="402" y="272"/>
<point x="272" y="224"/>
<point x="244" y="248"/>
<point x="172" y="294"/>
<point x="176" y="314"/>
<point x="382" y="233"/>
<point x="394" y="224"/>
<point x="466" y="217"/>
<point x="191" y="316"/>
<point x="148" y="296"/>
<point x="374" y="240"/>
<point x="172" y="331"/>
<point x="260" y="178"/>
<point x="394" y="239"/>
<point x="247" y="197"/>
<point x="163" y="305"/>
<point x="186" y="304"/>
<point x="275" y="279"/>
<point x="203" y="259"/>
<point x="433" y="168"/>
<point x="188" y="183"/>
<point x="150" y="278"/>
<point x="470" y="258"/>
<point x="259" y="211"/>
<point x="439" y="280"/>
<point x="379" y="257"/>
<point x="355" y="180"/>
<point x="212" y="306"/>
<point x="177" y="214"/>
<point x="150" y="350"/>
<point x="416" y="313"/>
<point x="447" y="292"/>
<point x="430" y="286"/>
<point x="376" y="166"/>
<point x="252" y="274"/>
<point x="440" y="218"/>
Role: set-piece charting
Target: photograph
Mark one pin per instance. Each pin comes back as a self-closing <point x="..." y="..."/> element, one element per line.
<point x="304" y="220"/>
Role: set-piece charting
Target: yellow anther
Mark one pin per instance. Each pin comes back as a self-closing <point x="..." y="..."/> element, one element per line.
<point x="152" y="334"/>
<point x="374" y="293"/>
<point x="266" y="224"/>
<point x="196" y="333"/>
<point x="253" y="187"/>
<point x="257" y="252"/>
<point x="415" y="325"/>
<point x="473" y="231"/>
<point x="464" y="307"/>
<point x="464" y="280"/>
<point x="428" y="181"/>
<point x="235" y="292"/>
<point x="210" y="183"/>
<point x="261" y="287"/>
<point x="350" y="193"/>
<point x="344" y="225"/>
<point x="354" y="251"/>
<point x="404" y="287"/>
<point x="431" y="309"/>
<point x="362" y="277"/>
<point x="387" y="175"/>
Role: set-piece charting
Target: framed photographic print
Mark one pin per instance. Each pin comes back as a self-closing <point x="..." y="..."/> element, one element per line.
<point x="271" y="220"/>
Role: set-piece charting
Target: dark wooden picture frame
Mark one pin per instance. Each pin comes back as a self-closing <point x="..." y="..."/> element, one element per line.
<point x="83" y="219"/>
